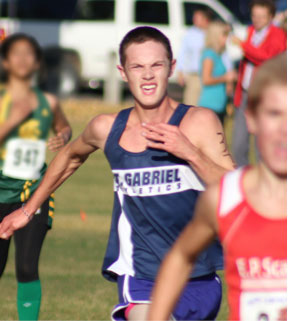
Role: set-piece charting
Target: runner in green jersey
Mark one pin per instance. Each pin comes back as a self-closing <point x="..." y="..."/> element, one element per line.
<point x="26" y="117"/>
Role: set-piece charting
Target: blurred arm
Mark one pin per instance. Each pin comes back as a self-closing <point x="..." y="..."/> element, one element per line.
<point x="176" y="268"/>
<point x="60" y="125"/>
<point x="207" y="76"/>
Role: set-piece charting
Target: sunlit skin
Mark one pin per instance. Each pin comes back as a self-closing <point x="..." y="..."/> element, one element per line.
<point x="147" y="70"/>
<point x="269" y="125"/>
<point x="21" y="62"/>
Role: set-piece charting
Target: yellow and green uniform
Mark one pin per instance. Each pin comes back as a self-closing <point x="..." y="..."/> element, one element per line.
<point x="34" y="128"/>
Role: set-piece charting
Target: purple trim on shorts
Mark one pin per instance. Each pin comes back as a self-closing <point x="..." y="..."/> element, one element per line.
<point x="200" y="299"/>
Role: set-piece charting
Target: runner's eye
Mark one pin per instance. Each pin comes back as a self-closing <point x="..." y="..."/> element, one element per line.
<point x="273" y="113"/>
<point x="136" y="67"/>
<point x="158" y="65"/>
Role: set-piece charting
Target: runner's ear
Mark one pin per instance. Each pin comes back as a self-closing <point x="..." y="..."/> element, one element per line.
<point x="122" y="72"/>
<point x="5" y="64"/>
<point x="172" y="67"/>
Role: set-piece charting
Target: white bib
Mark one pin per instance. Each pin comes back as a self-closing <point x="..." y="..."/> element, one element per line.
<point x="262" y="306"/>
<point x="24" y="158"/>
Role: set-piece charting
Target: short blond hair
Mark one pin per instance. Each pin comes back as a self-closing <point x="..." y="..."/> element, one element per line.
<point x="270" y="73"/>
<point x="214" y="31"/>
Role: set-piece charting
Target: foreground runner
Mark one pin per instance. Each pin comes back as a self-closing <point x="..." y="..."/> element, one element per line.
<point x="248" y="211"/>
<point x="26" y="116"/>
<point x="160" y="153"/>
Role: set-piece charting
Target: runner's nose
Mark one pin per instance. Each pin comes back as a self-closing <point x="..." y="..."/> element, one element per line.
<point x="148" y="73"/>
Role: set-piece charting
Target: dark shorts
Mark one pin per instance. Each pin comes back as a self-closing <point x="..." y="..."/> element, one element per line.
<point x="42" y="216"/>
<point x="200" y="299"/>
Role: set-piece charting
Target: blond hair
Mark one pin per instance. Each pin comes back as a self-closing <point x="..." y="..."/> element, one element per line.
<point x="270" y="73"/>
<point x="213" y="35"/>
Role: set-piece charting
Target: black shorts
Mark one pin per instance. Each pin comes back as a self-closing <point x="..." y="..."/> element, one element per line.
<point x="41" y="216"/>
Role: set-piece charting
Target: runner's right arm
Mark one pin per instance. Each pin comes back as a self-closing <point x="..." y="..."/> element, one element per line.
<point x="67" y="161"/>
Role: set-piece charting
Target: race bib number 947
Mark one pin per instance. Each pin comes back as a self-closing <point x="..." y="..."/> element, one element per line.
<point x="24" y="158"/>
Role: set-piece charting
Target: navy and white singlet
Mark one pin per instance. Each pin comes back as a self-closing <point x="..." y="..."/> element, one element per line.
<point x="154" y="199"/>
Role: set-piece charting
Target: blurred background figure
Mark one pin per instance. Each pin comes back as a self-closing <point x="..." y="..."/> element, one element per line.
<point x="217" y="82"/>
<point x="264" y="41"/>
<point x="188" y="61"/>
<point x="189" y="56"/>
<point x="26" y="117"/>
<point x="2" y="34"/>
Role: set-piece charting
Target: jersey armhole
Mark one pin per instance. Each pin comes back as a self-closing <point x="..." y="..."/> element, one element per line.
<point x="42" y="100"/>
<point x="120" y="120"/>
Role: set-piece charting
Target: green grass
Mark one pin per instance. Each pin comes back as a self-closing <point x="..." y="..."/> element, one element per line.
<point x="71" y="259"/>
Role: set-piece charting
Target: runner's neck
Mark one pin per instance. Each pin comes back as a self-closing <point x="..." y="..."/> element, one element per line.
<point x="161" y="113"/>
<point x="18" y="88"/>
<point x="266" y="192"/>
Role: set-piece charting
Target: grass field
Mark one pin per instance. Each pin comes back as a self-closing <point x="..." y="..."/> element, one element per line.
<point x="71" y="259"/>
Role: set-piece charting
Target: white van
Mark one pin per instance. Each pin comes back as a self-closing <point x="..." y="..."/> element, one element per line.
<point x="78" y="48"/>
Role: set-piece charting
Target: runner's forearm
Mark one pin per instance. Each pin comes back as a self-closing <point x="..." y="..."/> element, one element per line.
<point x="209" y="80"/>
<point x="165" y="295"/>
<point x="61" y="167"/>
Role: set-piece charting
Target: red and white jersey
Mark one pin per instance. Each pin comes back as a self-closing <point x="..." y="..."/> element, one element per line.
<point x="255" y="251"/>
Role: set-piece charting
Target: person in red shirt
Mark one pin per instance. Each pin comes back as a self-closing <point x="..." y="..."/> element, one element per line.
<point x="247" y="210"/>
<point x="264" y="41"/>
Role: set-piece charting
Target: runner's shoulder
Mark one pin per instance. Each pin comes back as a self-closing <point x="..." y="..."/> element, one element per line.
<point x="201" y="119"/>
<point x="101" y="125"/>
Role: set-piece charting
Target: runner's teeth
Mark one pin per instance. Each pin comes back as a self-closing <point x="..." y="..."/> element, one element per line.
<point x="149" y="87"/>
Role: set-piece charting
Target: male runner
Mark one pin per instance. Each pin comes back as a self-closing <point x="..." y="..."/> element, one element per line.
<point x="248" y="211"/>
<point x="162" y="153"/>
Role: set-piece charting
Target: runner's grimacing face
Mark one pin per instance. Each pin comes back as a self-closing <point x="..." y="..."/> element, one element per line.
<point x="147" y="70"/>
<point x="21" y="61"/>
<point x="269" y="124"/>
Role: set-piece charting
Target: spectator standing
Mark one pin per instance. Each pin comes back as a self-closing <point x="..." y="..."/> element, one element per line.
<point x="189" y="56"/>
<point x="264" y="41"/>
<point x="217" y="83"/>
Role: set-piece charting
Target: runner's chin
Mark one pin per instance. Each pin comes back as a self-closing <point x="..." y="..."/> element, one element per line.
<point x="153" y="100"/>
